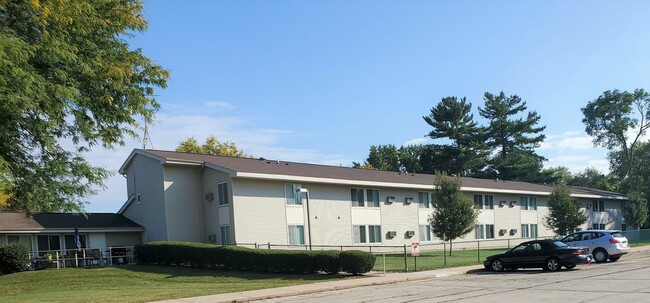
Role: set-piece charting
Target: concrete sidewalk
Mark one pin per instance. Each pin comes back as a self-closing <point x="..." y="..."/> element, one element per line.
<point x="372" y="278"/>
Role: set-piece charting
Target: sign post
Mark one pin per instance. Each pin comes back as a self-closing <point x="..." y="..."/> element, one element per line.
<point x="415" y="252"/>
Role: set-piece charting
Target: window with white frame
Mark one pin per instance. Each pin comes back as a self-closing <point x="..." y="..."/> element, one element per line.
<point x="598" y="205"/>
<point x="525" y="232"/>
<point x="296" y="234"/>
<point x="366" y="234"/>
<point x="424" y="200"/>
<point x="484" y="201"/>
<point x="290" y="194"/>
<point x="222" y="192"/>
<point x="359" y="200"/>
<point x="598" y="226"/>
<point x="48" y="242"/>
<point x="533" y="231"/>
<point x="225" y="234"/>
<point x="484" y="231"/>
<point x="425" y="232"/>
<point x="528" y="203"/>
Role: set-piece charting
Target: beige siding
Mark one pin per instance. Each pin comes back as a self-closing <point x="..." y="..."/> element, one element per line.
<point x="97" y="240"/>
<point x="399" y="216"/>
<point x="214" y="215"/>
<point x="259" y="212"/>
<point x="184" y="208"/>
<point x="123" y="239"/>
<point x="332" y="206"/>
<point x="145" y="177"/>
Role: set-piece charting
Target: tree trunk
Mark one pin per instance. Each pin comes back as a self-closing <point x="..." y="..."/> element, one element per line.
<point x="450" y="247"/>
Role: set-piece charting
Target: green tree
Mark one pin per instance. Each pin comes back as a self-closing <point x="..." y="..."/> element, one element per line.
<point x="68" y="75"/>
<point x="636" y="210"/>
<point x="452" y="119"/>
<point x="212" y="146"/>
<point x="384" y="157"/>
<point x="591" y="177"/>
<point x="554" y="175"/>
<point x="617" y="120"/>
<point x="513" y="139"/>
<point x="454" y="215"/>
<point x="564" y="213"/>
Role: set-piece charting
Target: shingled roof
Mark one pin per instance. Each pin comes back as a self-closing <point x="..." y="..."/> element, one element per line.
<point x="277" y="167"/>
<point x="10" y="221"/>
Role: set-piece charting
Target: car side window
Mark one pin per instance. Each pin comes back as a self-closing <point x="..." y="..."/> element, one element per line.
<point x="597" y="235"/>
<point x="586" y="236"/>
<point x="571" y="238"/>
<point x="520" y="248"/>
<point x="537" y="247"/>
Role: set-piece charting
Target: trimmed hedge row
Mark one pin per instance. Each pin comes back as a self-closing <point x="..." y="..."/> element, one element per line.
<point x="203" y="255"/>
<point x="14" y="257"/>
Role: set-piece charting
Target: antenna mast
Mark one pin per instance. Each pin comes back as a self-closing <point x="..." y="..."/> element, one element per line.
<point x="146" y="137"/>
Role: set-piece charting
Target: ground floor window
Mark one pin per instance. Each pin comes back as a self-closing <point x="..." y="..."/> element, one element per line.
<point x="48" y="242"/>
<point x="225" y="235"/>
<point x="484" y="231"/>
<point x="366" y="234"/>
<point x="296" y="234"/>
<point x="25" y="240"/>
<point x="529" y="230"/>
<point x="598" y="226"/>
<point x="71" y="242"/>
<point x="425" y="232"/>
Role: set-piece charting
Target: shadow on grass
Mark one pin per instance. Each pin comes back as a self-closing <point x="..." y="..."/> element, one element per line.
<point x="183" y="271"/>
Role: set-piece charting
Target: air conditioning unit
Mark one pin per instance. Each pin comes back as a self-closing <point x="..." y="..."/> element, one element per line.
<point x="512" y="203"/>
<point x="209" y="196"/>
<point x="390" y="199"/>
<point x="391" y="234"/>
<point x="513" y="231"/>
<point x="502" y="232"/>
<point x="410" y="233"/>
<point x="502" y="203"/>
<point x="408" y="200"/>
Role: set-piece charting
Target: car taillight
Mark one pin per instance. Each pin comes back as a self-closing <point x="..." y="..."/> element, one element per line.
<point x="577" y="252"/>
<point x="614" y="241"/>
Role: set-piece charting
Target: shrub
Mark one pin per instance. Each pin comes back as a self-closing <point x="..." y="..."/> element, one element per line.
<point x="14" y="257"/>
<point x="237" y="258"/>
<point x="356" y="262"/>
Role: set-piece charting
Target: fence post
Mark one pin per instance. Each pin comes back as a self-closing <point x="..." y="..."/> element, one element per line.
<point x="370" y="249"/>
<point x="508" y="243"/>
<point x="255" y="245"/>
<point x="341" y="247"/>
<point x="444" y="252"/>
<point x="478" y="254"/>
<point x="269" y="245"/>
<point x="406" y="268"/>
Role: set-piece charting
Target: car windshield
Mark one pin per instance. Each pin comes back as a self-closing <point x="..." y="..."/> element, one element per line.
<point x="559" y="244"/>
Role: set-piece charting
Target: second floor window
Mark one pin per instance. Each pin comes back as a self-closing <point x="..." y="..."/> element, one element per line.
<point x="359" y="199"/>
<point x="222" y="192"/>
<point x="293" y="198"/>
<point x="528" y="203"/>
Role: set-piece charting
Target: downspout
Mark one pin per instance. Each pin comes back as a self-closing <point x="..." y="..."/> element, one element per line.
<point x="201" y="203"/>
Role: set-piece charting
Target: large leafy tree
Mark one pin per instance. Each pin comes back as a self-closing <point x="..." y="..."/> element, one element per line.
<point x="564" y="213"/>
<point x="454" y="215"/>
<point x="554" y="175"/>
<point x="617" y="120"/>
<point x="212" y="146"/>
<point x="381" y="157"/>
<point x="591" y="177"/>
<point x="512" y="138"/>
<point x="68" y="77"/>
<point x="636" y="210"/>
<point x="452" y="119"/>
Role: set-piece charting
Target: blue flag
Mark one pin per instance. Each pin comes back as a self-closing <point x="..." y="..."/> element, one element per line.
<point x="76" y="238"/>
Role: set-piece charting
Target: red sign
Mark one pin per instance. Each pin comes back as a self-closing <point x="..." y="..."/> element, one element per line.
<point x="415" y="249"/>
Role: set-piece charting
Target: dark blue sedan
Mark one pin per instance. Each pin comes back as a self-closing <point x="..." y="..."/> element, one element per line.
<point x="550" y="255"/>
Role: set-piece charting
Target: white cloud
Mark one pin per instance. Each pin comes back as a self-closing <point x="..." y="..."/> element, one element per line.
<point x="567" y="140"/>
<point x="217" y="104"/>
<point x="418" y="141"/>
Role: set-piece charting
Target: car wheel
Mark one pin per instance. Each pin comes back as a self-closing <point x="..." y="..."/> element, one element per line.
<point x="570" y="266"/>
<point x="614" y="259"/>
<point x="496" y="265"/>
<point x="600" y="255"/>
<point x="552" y="264"/>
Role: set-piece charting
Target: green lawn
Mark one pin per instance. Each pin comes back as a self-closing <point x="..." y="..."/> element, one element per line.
<point x="138" y="283"/>
<point x="434" y="259"/>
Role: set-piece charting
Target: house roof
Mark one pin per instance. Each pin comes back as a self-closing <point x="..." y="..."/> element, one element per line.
<point x="263" y="168"/>
<point x="10" y="221"/>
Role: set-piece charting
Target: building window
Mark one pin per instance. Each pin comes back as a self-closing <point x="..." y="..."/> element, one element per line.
<point x="222" y="192"/>
<point x="598" y="205"/>
<point x="290" y="194"/>
<point x="425" y="232"/>
<point x="424" y="200"/>
<point x="489" y="201"/>
<point x="598" y="226"/>
<point x="25" y="240"/>
<point x="296" y="235"/>
<point x="525" y="232"/>
<point x="357" y="197"/>
<point x="48" y="242"/>
<point x="533" y="231"/>
<point x="374" y="233"/>
<point x="484" y="231"/>
<point x="225" y="235"/>
<point x="71" y="242"/>
<point x="373" y="197"/>
<point x="528" y="203"/>
<point x="478" y="201"/>
<point x="359" y="233"/>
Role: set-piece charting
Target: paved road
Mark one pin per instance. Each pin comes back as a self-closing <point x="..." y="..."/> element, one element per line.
<point x="627" y="280"/>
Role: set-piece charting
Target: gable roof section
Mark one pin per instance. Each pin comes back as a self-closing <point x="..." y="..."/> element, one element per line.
<point x="47" y="221"/>
<point x="282" y="170"/>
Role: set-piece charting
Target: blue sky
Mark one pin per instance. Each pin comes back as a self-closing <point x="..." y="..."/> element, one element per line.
<point x="321" y="81"/>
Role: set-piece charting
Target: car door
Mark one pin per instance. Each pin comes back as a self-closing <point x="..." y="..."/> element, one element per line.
<point x="539" y="254"/>
<point x="520" y="256"/>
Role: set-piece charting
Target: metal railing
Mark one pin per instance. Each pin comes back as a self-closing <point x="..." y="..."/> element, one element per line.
<point x="85" y="257"/>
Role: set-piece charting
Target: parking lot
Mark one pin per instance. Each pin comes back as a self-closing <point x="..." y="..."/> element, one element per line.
<point x="627" y="280"/>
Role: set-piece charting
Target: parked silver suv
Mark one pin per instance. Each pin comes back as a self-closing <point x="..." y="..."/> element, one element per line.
<point x="604" y="244"/>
